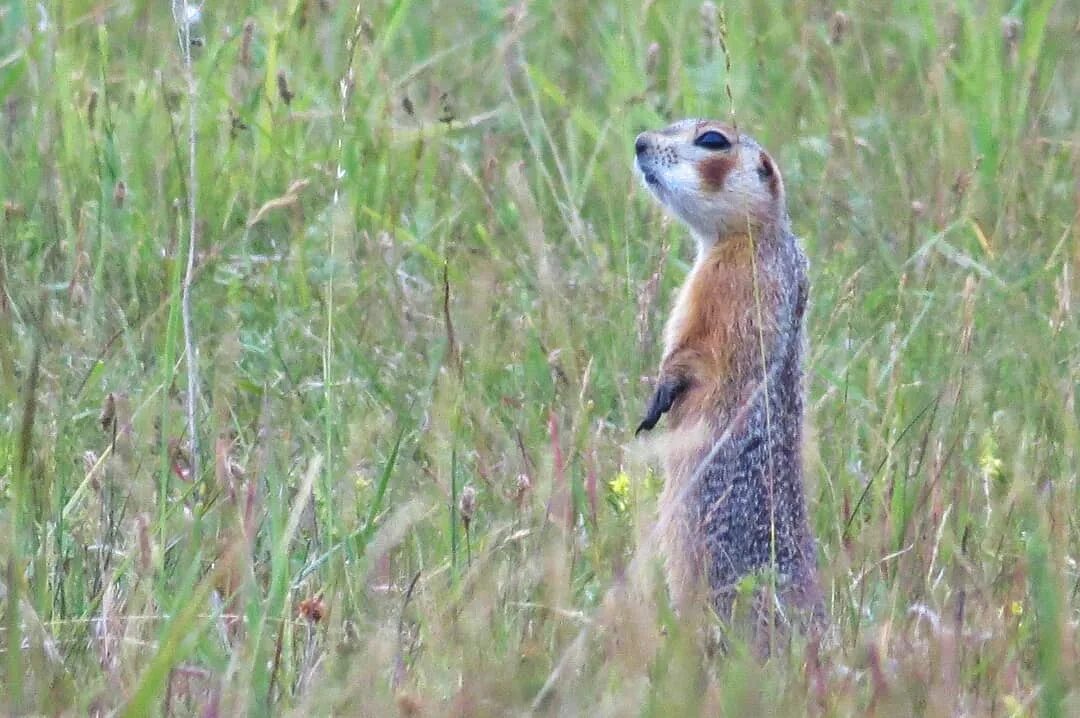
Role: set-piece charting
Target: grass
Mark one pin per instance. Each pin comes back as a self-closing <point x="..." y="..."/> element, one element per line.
<point x="424" y="265"/>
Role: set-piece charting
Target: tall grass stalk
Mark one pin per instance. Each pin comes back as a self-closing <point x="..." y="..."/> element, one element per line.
<point x="185" y="15"/>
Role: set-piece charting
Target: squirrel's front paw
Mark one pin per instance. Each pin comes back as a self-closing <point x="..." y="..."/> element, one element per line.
<point x="667" y="392"/>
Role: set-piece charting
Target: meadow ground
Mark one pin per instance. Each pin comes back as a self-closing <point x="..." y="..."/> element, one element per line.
<point x="426" y="297"/>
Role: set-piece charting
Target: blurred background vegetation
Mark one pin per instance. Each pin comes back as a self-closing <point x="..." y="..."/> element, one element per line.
<point x="426" y="298"/>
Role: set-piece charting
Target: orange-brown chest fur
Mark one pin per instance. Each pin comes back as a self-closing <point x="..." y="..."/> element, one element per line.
<point x="723" y="322"/>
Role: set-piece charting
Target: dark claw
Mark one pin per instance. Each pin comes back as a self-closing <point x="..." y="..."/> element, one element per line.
<point x="667" y="392"/>
<point x="646" y="424"/>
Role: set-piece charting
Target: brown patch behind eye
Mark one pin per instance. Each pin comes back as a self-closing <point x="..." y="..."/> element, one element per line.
<point x="714" y="171"/>
<point x="767" y="172"/>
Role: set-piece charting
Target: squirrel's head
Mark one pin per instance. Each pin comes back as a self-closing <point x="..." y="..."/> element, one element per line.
<point x="717" y="180"/>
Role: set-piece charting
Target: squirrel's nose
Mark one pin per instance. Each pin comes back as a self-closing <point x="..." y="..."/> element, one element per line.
<point x="640" y="144"/>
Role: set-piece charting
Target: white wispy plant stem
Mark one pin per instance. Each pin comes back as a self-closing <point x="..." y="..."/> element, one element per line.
<point x="185" y="14"/>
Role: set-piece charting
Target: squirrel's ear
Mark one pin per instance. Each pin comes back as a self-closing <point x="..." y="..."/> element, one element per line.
<point x="765" y="167"/>
<point x="767" y="172"/>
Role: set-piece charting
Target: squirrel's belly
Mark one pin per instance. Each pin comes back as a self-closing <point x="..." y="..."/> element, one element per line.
<point x="683" y="449"/>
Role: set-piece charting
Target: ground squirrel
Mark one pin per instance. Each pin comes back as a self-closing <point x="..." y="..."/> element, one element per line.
<point x="731" y="374"/>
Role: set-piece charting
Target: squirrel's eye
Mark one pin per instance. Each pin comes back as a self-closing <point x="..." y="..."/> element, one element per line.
<point x="713" y="140"/>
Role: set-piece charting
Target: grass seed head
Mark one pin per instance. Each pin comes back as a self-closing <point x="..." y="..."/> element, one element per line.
<point x="467" y="505"/>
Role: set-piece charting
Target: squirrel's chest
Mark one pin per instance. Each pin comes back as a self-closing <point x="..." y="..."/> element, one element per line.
<point x="720" y="328"/>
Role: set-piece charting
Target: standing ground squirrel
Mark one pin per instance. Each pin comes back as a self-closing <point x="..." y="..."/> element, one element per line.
<point x="731" y="374"/>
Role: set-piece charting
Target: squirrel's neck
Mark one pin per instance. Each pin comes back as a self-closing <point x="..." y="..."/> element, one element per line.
<point x="735" y="252"/>
<point x="739" y="245"/>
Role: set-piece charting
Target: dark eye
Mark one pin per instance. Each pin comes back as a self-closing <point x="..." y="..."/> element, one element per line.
<point x="713" y="140"/>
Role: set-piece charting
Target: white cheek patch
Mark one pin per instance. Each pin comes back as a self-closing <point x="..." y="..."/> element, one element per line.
<point x="682" y="178"/>
<point x="740" y="184"/>
<point x="680" y="191"/>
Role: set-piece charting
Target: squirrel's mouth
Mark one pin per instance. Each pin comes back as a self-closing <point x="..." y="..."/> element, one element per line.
<point x="647" y="174"/>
